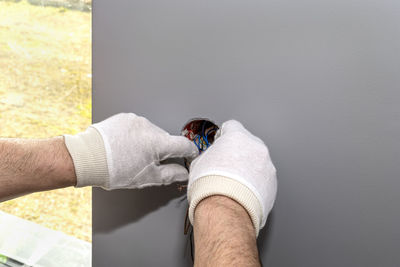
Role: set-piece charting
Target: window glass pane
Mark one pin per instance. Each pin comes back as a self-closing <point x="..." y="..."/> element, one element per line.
<point x="45" y="91"/>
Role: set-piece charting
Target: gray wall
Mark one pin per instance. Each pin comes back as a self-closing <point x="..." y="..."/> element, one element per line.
<point x="318" y="81"/>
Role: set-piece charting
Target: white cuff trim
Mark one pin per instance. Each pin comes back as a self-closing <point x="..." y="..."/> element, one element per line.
<point x="220" y="185"/>
<point x="89" y="157"/>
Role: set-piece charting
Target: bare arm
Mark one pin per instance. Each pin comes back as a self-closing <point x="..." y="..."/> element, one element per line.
<point x="28" y="166"/>
<point x="224" y="234"/>
<point x="232" y="188"/>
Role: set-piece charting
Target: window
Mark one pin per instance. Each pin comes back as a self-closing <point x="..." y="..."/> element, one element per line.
<point x="45" y="91"/>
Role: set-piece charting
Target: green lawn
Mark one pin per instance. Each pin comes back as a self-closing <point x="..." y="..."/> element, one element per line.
<point x="45" y="90"/>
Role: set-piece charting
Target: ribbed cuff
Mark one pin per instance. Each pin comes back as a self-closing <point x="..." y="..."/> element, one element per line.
<point x="220" y="185"/>
<point x="89" y="157"/>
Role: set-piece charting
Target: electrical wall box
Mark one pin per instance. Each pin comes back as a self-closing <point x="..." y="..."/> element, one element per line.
<point x="202" y="132"/>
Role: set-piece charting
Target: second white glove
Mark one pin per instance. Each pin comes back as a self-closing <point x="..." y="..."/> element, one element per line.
<point x="237" y="165"/>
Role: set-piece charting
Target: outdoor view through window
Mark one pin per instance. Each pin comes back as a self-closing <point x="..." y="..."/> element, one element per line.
<point x="45" y="91"/>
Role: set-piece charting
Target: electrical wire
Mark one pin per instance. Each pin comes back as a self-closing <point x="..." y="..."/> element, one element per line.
<point x="213" y="130"/>
<point x="201" y="139"/>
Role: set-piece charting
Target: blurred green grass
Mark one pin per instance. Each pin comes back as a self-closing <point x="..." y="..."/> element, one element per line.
<point x="45" y="90"/>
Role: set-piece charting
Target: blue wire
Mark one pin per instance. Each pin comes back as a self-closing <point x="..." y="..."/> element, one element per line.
<point x="197" y="144"/>
<point x="202" y="138"/>
<point x="206" y="137"/>
<point x="203" y="128"/>
<point x="207" y="143"/>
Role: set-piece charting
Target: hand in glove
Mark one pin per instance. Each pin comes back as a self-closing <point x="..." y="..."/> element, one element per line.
<point x="125" y="151"/>
<point x="237" y="165"/>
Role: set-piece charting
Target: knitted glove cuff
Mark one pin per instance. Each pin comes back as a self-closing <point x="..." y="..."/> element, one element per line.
<point x="220" y="185"/>
<point x="89" y="156"/>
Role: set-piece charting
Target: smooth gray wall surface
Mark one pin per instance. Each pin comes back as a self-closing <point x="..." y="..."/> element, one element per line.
<point x="318" y="81"/>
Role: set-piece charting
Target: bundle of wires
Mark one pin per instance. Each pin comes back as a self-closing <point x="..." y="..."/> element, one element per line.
<point x="202" y="140"/>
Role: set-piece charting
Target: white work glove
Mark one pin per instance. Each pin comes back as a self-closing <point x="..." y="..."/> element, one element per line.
<point x="238" y="166"/>
<point x="125" y="151"/>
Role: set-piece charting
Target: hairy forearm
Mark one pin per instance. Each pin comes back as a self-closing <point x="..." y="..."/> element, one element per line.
<point x="28" y="166"/>
<point x="224" y="234"/>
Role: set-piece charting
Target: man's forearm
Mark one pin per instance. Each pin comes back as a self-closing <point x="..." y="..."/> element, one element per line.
<point x="28" y="166"/>
<point x="224" y="234"/>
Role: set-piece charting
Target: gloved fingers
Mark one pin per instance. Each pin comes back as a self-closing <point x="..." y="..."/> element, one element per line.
<point x="232" y="126"/>
<point x="172" y="173"/>
<point x="177" y="147"/>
